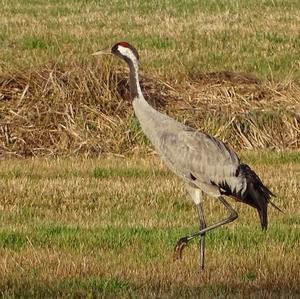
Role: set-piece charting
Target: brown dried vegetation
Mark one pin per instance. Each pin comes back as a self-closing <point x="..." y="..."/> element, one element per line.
<point x="62" y="109"/>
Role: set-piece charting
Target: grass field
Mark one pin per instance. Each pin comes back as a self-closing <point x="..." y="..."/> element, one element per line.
<point x="72" y="226"/>
<point x="260" y="37"/>
<point x="107" y="228"/>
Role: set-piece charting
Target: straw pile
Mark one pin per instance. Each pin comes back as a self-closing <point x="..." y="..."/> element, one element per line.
<point x="73" y="109"/>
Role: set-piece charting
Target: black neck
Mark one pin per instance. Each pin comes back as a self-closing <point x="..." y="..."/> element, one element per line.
<point x="133" y="81"/>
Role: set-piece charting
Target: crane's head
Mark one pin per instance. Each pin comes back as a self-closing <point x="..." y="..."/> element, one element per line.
<point x="123" y="50"/>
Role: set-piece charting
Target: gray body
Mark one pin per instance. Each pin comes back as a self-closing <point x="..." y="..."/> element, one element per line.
<point x="197" y="158"/>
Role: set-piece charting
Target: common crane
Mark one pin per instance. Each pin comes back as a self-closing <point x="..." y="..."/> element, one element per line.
<point x="203" y="162"/>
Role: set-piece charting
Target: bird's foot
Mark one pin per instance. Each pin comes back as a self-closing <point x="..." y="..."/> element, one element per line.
<point x="182" y="242"/>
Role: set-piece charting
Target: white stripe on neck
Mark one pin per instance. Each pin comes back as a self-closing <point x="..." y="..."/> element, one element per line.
<point x="129" y="54"/>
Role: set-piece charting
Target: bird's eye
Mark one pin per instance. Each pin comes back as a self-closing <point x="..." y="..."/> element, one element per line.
<point x="114" y="48"/>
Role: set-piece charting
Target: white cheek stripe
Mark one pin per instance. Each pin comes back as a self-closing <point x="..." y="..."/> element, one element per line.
<point x="128" y="53"/>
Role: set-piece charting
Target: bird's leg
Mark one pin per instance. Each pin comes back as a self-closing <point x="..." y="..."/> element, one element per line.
<point x="184" y="240"/>
<point x="202" y="236"/>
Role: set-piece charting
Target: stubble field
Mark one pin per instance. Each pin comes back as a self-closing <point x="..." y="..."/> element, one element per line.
<point x="107" y="227"/>
<point x="86" y="207"/>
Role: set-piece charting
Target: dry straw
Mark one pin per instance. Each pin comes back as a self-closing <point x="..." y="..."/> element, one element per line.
<point x="82" y="109"/>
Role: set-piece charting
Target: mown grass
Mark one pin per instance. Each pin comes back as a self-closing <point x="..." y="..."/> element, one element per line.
<point x="261" y="37"/>
<point x="107" y="227"/>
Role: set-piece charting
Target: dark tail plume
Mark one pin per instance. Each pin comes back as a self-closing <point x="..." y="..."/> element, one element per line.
<point x="257" y="194"/>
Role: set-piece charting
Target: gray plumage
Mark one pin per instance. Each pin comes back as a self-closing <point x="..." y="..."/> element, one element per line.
<point x="203" y="162"/>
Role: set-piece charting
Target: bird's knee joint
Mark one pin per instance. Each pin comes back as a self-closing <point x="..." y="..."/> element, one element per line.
<point x="233" y="215"/>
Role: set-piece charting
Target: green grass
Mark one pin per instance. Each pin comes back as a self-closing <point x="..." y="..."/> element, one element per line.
<point x="273" y="158"/>
<point x="261" y="37"/>
<point x="82" y="240"/>
<point x="87" y="288"/>
<point x="107" y="227"/>
<point x="31" y="43"/>
<point x="102" y="173"/>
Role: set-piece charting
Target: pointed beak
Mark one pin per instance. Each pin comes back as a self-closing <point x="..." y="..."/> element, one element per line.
<point x="101" y="52"/>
